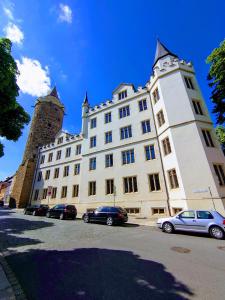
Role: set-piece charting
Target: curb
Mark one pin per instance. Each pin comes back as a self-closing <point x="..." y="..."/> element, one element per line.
<point x="16" y="292"/>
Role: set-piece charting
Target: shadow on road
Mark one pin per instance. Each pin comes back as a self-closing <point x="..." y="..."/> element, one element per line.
<point x="11" y="228"/>
<point x="94" y="274"/>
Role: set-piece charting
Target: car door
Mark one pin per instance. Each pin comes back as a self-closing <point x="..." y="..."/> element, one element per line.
<point x="203" y="219"/>
<point x="98" y="215"/>
<point x="53" y="211"/>
<point x="186" y="221"/>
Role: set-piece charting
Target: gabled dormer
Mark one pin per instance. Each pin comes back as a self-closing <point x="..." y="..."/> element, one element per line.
<point x="123" y="91"/>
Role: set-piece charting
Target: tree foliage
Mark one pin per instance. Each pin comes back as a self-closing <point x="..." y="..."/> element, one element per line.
<point x="216" y="79"/>
<point x="12" y="115"/>
<point x="220" y="132"/>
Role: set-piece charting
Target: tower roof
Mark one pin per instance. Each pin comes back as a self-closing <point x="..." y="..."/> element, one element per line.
<point x="86" y="99"/>
<point x="161" y="51"/>
<point x="54" y="93"/>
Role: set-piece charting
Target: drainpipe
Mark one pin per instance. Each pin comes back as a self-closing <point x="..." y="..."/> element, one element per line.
<point x="160" y="155"/>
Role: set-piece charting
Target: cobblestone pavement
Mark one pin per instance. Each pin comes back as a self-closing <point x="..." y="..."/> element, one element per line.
<point x="55" y="259"/>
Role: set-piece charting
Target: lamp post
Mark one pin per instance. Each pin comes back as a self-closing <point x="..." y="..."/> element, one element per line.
<point x="114" y="195"/>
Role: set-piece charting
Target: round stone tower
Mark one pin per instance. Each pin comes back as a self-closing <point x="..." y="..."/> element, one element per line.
<point x="46" y="123"/>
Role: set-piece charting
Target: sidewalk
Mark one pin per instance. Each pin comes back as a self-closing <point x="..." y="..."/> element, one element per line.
<point x="6" y="290"/>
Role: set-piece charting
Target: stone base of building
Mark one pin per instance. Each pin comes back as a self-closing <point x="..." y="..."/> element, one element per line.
<point x="23" y="183"/>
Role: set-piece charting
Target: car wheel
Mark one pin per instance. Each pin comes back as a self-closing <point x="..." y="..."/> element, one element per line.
<point x="86" y="219"/>
<point x="216" y="232"/>
<point x="48" y="215"/>
<point x="109" y="221"/>
<point x="61" y="217"/>
<point x="34" y="213"/>
<point x="167" y="227"/>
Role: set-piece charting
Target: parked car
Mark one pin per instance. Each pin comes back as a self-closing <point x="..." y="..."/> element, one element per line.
<point x="36" y="210"/>
<point x="204" y="221"/>
<point x="62" y="211"/>
<point x="107" y="214"/>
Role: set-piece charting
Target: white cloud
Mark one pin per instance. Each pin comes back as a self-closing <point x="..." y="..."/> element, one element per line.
<point x="8" y="13"/>
<point x="13" y="33"/>
<point x="65" y="13"/>
<point x="33" y="79"/>
<point x="2" y="138"/>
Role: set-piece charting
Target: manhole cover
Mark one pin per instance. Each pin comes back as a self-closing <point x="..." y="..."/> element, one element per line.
<point x="221" y="248"/>
<point x="180" y="249"/>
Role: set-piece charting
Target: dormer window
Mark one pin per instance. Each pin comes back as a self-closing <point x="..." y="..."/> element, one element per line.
<point x="122" y="95"/>
<point x="60" y="140"/>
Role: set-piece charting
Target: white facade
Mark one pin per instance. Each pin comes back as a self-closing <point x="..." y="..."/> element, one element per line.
<point x="186" y="173"/>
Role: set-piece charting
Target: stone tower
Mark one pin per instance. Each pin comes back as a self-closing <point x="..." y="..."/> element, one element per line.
<point x="46" y="123"/>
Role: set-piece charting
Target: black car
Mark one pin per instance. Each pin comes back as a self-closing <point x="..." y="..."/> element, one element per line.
<point x="62" y="211"/>
<point x="36" y="210"/>
<point x="107" y="214"/>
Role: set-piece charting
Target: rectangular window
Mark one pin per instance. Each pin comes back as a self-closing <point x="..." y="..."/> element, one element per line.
<point x="47" y="174"/>
<point x="189" y="83"/>
<point x="78" y="149"/>
<point x="155" y="95"/>
<point x="56" y="173"/>
<point x="108" y="137"/>
<point x="109" y="186"/>
<point x="220" y="174"/>
<point x="42" y="159"/>
<point x="58" y="155"/>
<point x="64" y="192"/>
<point x="160" y="118"/>
<point x="158" y="211"/>
<point x="76" y="169"/>
<point x="60" y="140"/>
<point x="45" y="192"/>
<point x="50" y="157"/>
<point x="130" y="184"/>
<point x="207" y="138"/>
<point x="197" y="107"/>
<point x="145" y="126"/>
<point x="124" y="111"/>
<point x="75" y="190"/>
<point x="54" y="192"/>
<point x="92" y="163"/>
<point x="173" y="179"/>
<point x="149" y="152"/>
<point x="132" y="210"/>
<point x="68" y="152"/>
<point x="128" y="157"/>
<point x="66" y="171"/>
<point x="122" y="95"/>
<point x="125" y="132"/>
<point x="36" y="193"/>
<point x="93" y="122"/>
<point x="166" y="146"/>
<point x="93" y="142"/>
<point x="92" y="188"/>
<point x="108" y="117"/>
<point x="39" y="176"/>
<point x="108" y="160"/>
<point x="154" y="183"/>
<point x="142" y="105"/>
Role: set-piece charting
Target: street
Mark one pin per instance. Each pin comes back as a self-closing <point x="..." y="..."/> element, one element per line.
<point x="55" y="259"/>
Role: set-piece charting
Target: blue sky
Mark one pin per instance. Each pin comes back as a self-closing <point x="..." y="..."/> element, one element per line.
<point x="95" y="45"/>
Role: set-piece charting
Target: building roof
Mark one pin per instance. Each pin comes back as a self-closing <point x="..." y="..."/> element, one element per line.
<point x="54" y="93"/>
<point x="86" y="99"/>
<point x="52" y="97"/>
<point x="161" y="51"/>
<point x="123" y="84"/>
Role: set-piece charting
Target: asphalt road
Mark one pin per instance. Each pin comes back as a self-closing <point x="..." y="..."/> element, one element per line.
<point x="56" y="259"/>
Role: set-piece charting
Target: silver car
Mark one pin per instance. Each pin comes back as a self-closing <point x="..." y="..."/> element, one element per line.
<point x="203" y="221"/>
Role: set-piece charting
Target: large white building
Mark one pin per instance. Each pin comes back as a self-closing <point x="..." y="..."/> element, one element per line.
<point x="152" y="150"/>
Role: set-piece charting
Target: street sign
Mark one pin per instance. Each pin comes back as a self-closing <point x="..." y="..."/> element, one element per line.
<point x="49" y="190"/>
<point x="200" y="191"/>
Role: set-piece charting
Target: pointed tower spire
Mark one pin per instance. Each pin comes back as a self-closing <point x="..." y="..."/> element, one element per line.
<point x="161" y="51"/>
<point x="54" y="93"/>
<point x="86" y="99"/>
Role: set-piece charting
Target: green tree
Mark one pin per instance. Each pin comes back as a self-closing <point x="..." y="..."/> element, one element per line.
<point x="220" y="132"/>
<point x="12" y="115"/>
<point x="216" y="79"/>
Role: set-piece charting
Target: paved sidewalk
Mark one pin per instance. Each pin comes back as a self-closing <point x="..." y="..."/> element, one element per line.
<point x="6" y="290"/>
